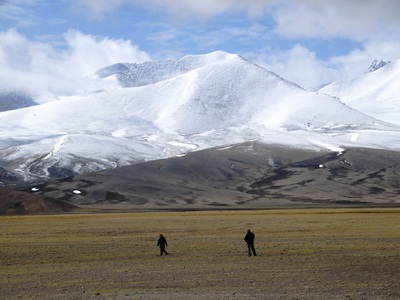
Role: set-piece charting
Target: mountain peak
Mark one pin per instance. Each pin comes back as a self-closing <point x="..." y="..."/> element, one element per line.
<point x="213" y="56"/>
<point x="377" y="64"/>
<point x="150" y="72"/>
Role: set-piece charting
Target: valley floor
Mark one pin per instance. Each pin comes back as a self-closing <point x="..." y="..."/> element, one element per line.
<point x="302" y="254"/>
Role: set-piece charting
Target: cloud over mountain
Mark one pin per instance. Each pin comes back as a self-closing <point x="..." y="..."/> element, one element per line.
<point x="41" y="68"/>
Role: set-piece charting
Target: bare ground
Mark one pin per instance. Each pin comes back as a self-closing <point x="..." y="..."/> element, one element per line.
<point x="244" y="176"/>
<point x="302" y="254"/>
<point x="22" y="203"/>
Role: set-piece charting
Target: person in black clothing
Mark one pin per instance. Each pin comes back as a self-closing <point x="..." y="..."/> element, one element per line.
<point x="249" y="239"/>
<point x="162" y="243"/>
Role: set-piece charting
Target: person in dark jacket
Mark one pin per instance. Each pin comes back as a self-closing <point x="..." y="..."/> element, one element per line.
<point x="249" y="239"/>
<point x="162" y="243"/>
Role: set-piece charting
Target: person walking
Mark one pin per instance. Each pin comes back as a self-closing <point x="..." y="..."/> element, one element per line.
<point x="249" y="239"/>
<point x="162" y="243"/>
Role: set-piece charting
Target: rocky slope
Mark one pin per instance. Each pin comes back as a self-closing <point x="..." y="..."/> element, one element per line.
<point x="249" y="175"/>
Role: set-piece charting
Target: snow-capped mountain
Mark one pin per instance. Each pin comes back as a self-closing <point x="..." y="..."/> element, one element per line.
<point x="375" y="93"/>
<point x="222" y="90"/>
<point x="133" y="74"/>
<point x="167" y="108"/>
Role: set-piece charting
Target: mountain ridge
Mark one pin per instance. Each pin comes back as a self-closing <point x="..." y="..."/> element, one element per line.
<point x="211" y="100"/>
<point x="243" y="176"/>
<point x="140" y="74"/>
<point x="375" y="93"/>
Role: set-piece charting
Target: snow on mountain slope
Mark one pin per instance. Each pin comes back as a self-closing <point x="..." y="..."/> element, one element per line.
<point x="225" y="93"/>
<point x="229" y="91"/>
<point x="168" y="109"/>
<point x="375" y="93"/>
<point x="133" y="74"/>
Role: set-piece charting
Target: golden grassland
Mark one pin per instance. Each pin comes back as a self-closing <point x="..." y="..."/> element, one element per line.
<point x="302" y="254"/>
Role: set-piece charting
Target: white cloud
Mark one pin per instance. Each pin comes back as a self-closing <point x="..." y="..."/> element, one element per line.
<point x="43" y="67"/>
<point x="89" y="53"/>
<point x="299" y="65"/>
<point x="18" y="10"/>
<point x="179" y="8"/>
<point x="209" y="8"/>
<point x="99" y="7"/>
<point x="358" y="19"/>
<point x="357" y="61"/>
<point x="374" y="24"/>
<point x="294" y="18"/>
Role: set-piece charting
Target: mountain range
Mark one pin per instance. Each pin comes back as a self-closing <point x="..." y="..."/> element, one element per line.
<point x="375" y="93"/>
<point x="159" y="110"/>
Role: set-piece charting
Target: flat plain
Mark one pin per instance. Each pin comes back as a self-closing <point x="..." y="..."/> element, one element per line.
<point x="302" y="254"/>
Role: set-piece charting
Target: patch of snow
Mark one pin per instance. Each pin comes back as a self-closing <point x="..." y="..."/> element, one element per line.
<point x="328" y="146"/>
<point x="354" y="136"/>
<point x="183" y="145"/>
<point x="271" y="162"/>
<point x="225" y="148"/>
<point x="119" y="133"/>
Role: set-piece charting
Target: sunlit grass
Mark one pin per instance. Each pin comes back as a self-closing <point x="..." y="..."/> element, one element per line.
<point x="116" y="253"/>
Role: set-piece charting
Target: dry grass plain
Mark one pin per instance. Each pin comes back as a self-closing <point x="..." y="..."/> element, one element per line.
<point x="302" y="254"/>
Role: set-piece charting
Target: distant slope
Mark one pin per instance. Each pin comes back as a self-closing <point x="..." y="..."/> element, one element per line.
<point x="375" y="93"/>
<point x="20" y="203"/>
<point x="14" y="100"/>
<point x="250" y="175"/>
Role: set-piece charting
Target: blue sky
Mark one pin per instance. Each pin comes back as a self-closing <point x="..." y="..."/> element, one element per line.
<point x="309" y="42"/>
